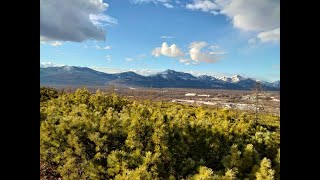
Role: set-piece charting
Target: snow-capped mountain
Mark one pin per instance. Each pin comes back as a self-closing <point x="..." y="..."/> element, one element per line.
<point x="225" y="79"/>
<point x="171" y="74"/>
<point x="72" y="75"/>
<point x="233" y="79"/>
<point x="207" y="78"/>
<point x="237" y="78"/>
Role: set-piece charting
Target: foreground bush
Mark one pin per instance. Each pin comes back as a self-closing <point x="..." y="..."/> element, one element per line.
<point x="100" y="136"/>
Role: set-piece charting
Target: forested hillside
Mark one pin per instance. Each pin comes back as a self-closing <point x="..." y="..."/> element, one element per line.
<point x="104" y="136"/>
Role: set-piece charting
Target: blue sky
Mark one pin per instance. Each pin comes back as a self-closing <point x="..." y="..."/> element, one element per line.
<point x="213" y="37"/>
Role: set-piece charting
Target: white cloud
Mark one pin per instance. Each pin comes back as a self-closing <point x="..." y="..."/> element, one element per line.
<point x="108" y="57"/>
<point x="218" y="52"/>
<point x="73" y="20"/>
<point x="253" y="15"/>
<point x="165" y="3"/>
<point x="165" y="50"/>
<point x="49" y="64"/>
<point x="102" y="20"/>
<point x="56" y="43"/>
<point x="185" y="61"/>
<point x="270" y="36"/>
<point x="198" y="56"/>
<point x="103" y="48"/>
<point x="188" y="61"/>
<point x="204" y="5"/>
<point x="195" y="52"/>
<point x="266" y="36"/>
<point x="261" y="16"/>
<point x="166" y="37"/>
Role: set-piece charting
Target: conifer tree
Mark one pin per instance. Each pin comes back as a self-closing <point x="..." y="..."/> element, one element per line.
<point x="265" y="171"/>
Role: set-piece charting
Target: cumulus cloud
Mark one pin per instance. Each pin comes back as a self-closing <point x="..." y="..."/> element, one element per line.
<point x="73" y="20"/>
<point x="262" y="16"/>
<point x="165" y="50"/>
<point x="200" y="56"/>
<point x="103" y="48"/>
<point x="196" y="54"/>
<point x="252" y="15"/>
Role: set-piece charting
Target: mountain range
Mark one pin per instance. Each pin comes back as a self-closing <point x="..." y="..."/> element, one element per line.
<point x="83" y="76"/>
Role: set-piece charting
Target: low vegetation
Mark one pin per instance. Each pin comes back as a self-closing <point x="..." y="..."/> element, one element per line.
<point x="105" y="136"/>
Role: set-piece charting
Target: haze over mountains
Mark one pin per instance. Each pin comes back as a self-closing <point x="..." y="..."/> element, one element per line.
<point x="83" y="76"/>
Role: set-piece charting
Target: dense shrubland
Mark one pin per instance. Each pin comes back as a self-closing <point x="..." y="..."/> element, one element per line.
<point x="104" y="136"/>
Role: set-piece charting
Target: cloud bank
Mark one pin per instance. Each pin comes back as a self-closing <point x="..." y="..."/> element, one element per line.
<point x="262" y="16"/>
<point x="73" y="20"/>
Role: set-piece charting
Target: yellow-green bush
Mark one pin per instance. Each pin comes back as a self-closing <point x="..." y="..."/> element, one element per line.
<point x="101" y="136"/>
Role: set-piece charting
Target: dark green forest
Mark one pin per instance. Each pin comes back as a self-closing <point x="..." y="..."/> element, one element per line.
<point x="101" y="135"/>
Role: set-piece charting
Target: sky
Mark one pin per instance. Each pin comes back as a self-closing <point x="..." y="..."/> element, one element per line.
<point x="212" y="37"/>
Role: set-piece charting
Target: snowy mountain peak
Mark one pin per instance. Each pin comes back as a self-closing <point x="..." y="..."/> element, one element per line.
<point x="67" y="68"/>
<point x="72" y="75"/>
<point x="171" y="74"/>
<point x="168" y="71"/>
<point x="226" y="79"/>
<point x="237" y="78"/>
